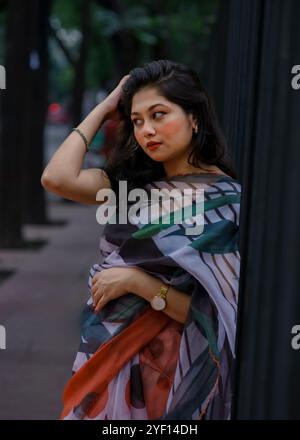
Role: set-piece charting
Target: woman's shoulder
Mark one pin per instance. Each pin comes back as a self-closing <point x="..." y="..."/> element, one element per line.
<point x="203" y="176"/>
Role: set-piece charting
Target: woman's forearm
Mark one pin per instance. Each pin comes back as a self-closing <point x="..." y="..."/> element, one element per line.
<point x="67" y="161"/>
<point x="146" y="286"/>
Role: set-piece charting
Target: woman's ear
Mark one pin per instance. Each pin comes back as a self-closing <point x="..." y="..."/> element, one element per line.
<point x="194" y="122"/>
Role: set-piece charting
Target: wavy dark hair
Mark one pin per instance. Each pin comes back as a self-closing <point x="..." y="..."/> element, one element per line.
<point x="182" y="86"/>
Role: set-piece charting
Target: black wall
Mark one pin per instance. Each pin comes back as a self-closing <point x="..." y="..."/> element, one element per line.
<point x="260" y="114"/>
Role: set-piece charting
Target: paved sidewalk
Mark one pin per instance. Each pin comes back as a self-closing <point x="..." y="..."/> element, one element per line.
<point x="40" y="308"/>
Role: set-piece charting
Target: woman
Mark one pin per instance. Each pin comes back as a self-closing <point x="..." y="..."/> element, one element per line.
<point x="158" y="332"/>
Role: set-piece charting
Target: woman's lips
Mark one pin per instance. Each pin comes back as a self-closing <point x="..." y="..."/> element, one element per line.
<point x="154" y="146"/>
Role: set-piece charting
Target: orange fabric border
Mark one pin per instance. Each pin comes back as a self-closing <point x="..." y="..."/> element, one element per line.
<point x="102" y="367"/>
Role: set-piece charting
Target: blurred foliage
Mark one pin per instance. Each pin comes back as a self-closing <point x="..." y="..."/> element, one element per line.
<point x="183" y="27"/>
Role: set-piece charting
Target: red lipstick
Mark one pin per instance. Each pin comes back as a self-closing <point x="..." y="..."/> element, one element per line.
<point x="153" y="146"/>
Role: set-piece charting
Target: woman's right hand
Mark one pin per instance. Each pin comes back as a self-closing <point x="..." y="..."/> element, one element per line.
<point x="112" y="100"/>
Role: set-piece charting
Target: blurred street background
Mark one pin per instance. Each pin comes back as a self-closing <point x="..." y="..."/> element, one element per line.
<point x="60" y="59"/>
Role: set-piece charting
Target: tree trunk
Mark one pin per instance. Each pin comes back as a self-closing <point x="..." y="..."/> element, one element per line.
<point x="13" y="123"/>
<point x="125" y="46"/>
<point x="34" y="206"/>
<point x="80" y="65"/>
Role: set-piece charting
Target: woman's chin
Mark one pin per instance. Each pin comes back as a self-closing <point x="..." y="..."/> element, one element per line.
<point x="155" y="155"/>
<point x="157" y="158"/>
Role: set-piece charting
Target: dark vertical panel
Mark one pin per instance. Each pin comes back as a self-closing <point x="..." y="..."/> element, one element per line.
<point x="242" y="64"/>
<point x="290" y="281"/>
<point x="260" y="116"/>
<point x="256" y="280"/>
<point x="269" y="283"/>
<point x="231" y="74"/>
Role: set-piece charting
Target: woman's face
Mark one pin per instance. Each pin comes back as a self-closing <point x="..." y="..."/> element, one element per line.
<point x="156" y="119"/>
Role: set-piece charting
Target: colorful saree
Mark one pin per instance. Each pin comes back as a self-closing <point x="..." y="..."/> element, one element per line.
<point x="137" y="363"/>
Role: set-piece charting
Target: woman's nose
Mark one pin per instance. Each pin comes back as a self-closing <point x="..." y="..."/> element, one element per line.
<point x="148" y="128"/>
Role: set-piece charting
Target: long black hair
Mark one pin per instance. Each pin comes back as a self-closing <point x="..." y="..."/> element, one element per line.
<point x="181" y="85"/>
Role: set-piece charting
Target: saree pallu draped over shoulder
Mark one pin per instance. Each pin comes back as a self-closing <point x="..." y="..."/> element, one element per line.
<point x="135" y="363"/>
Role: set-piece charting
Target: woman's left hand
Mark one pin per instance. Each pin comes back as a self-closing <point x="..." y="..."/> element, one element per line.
<point x="111" y="284"/>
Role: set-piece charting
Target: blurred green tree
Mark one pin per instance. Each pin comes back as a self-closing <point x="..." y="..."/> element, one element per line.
<point x="123" y="35"/>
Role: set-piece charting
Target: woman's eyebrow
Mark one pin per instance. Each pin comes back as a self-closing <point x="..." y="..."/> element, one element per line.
<point x="151" y="107"/>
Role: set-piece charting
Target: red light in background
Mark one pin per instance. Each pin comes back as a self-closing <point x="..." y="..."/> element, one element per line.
<point x="54" y="107"/>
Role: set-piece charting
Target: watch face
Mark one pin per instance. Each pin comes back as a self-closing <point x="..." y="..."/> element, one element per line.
<point x="158" y="303"/>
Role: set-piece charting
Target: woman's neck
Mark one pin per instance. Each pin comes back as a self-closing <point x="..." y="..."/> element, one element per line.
<point x="180" y="170"/>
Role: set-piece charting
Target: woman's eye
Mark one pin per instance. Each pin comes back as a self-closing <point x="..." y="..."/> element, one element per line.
<point x="135" y="121"/>
<point x="159" y="112"/>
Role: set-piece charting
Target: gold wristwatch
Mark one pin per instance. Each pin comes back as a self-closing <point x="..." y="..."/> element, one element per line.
<point x="159" y="301"/>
